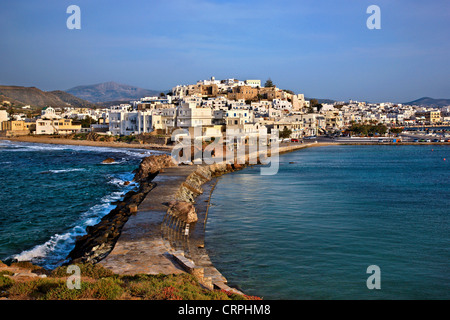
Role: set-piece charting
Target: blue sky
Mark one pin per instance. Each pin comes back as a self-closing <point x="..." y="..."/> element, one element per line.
<point x="320" y="48"/>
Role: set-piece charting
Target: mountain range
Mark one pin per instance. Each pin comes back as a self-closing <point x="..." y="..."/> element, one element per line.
<point x="21" y="96"/>
<point x="89" y="96"/>
<point x="110" y="91"/>
<point x="429" y="102"/>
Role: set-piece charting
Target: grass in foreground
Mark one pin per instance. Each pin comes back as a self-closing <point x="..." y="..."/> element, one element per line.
<point x="98" y="283"/>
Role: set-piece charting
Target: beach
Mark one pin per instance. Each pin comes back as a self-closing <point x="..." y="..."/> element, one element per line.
<point x="52" y="140"/>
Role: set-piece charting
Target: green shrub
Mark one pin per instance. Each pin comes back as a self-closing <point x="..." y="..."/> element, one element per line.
<point x="5" y="283"/>
<point x="23" y="289"/>
<point x="60" y="291"/>
<point x="6" y="272"/>
<point x="108" y="289"/>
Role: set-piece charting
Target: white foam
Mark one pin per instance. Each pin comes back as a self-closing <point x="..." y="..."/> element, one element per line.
<point x="24" y="146"/>
<point x="43" y="249"/>
<point x="54" y="251"/>
<point x="66" y="170"/>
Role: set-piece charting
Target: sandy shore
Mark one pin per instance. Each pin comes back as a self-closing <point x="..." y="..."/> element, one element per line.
<point x="50" y="140"/>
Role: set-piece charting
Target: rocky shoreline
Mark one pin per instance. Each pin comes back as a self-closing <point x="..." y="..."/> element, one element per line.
<point x="101" y="238"/>
<point x="183" y="211"/>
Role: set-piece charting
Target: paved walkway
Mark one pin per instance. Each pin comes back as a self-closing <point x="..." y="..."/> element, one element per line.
<point x="141" y="248"/>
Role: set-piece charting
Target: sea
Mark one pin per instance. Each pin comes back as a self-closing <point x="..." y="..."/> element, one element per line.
<point x="50" y="193"/>
<point x="337" y="222"/>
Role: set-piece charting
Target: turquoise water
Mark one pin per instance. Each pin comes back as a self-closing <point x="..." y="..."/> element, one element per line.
<point x="312" y="230"/>
<point x="51" y="193"/>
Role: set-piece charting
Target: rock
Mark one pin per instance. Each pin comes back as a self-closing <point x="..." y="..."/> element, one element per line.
<point x="133" y="209"/>
<point x="24" y="276"/>
<point x="185" y="211"/>
<point x="237" y="166"/>
<point x="152" y="165"/>
<point x="108" y="160"/>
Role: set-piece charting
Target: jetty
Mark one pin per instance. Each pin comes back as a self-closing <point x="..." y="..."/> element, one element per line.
<point x="154" y="241"/>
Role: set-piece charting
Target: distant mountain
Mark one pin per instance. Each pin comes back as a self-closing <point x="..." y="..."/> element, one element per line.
<point x="37" y="98"/>
<point x="110" y="91"/>
<point x="430" y="102"/>
<point x="326" y="101"/>
<point x="72" y="100"/>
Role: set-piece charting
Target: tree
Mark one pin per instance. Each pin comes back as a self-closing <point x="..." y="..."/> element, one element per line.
<point x="396" y="130"/>
<point x="313" y="102"/>
<point x="269" y="83"/>
<point x="286" y="133"/>
<point x="87" y="121"/>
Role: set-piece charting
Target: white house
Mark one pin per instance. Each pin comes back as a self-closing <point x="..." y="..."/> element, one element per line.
<point x="239" y="116"/>
<point x="3" y="116"/>
<point x="49" y="113"/>
<point x="124" y="122"/>
<point x="189" y="115"/>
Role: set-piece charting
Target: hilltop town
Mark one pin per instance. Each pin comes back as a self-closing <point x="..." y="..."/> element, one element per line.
<point x="245" y="106"/>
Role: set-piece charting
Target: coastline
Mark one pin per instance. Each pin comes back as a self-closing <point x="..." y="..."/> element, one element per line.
<point x="50" y="140"/>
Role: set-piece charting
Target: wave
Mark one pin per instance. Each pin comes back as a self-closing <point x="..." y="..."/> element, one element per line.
<point x="64" y="170"/>
<point x="26" y="146"/>
<point x="53" y="252"/>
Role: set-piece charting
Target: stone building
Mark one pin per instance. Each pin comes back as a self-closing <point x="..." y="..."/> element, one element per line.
<point x="243" y="92"/>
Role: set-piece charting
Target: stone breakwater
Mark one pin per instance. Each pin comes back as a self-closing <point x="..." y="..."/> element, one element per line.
<point x="166" y="235"/>
<point x="160" y="227"/>
<point x="101" y="238"/>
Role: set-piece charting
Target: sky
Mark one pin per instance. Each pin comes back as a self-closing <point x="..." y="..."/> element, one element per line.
<point x="322" y="49"/>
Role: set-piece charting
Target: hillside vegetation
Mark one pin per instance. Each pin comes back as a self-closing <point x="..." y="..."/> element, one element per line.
<point x="24" y="281"/>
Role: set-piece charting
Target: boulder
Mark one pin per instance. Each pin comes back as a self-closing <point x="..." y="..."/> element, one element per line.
<point x="108" y="160"/>
<point x="152" y="165"/>
<point x="185" y="211"/>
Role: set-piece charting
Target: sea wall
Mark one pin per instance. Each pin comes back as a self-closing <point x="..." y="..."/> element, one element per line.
<point x="185" y="236"/>
<point x="101" y="238"/>
<point x="160" y="226"/>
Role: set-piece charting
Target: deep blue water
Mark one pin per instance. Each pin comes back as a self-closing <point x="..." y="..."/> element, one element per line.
<point x="50" y="193"/>
<point x="312" y="230"/>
